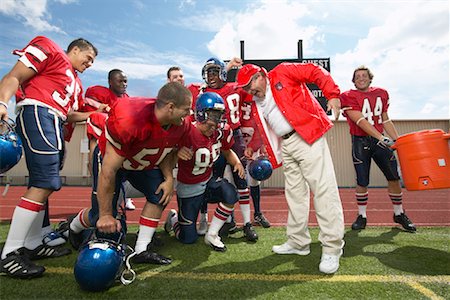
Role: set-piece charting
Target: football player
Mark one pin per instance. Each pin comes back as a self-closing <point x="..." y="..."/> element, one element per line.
<point x="139" y="136"/>
<point x="366" y="109"/>
<point x="52" y="94"/>
<point x="254" y="148"/>
<point x="214" y="74"/>
<point x="195" y="181"/>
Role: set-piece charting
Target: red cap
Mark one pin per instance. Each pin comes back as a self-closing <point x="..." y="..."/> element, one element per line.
<point x="244" y="75"/>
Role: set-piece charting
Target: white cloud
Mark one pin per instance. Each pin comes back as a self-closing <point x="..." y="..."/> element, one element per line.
<point x="406" y="44"/>
<point x="33" y="13"/>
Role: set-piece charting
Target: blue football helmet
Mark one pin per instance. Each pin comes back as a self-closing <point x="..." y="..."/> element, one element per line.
<point x="10" y="146"/>
<point x="205" y="106"/>
<point x="214" y="63"/>
<point x="260" y="168"/>
<point x="101" y="262"/>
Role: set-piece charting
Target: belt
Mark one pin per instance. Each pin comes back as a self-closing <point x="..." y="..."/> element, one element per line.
<point x="288" y="135"/>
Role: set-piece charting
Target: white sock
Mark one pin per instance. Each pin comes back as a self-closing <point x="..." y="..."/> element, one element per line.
<point x="147" y="228"/>
<point x="245" y="210"/>
<point x="215" y="226"/>
<point x="23" y="217"/>
<point x="78" y="223"/>
<point x="362" y="210"/>
<point x="34" y="236"/>
<point x="398" y="209"/>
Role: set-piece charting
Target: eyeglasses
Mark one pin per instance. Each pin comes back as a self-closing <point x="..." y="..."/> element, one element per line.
<point x="248" y="88"/>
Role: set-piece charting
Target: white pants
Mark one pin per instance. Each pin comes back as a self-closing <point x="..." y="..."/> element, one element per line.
<point x="310" y="168"/>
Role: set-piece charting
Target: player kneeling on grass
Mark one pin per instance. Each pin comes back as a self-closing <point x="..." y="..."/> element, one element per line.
<point x="196" y="185"/>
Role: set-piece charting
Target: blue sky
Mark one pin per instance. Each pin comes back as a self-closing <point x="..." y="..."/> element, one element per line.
<point x="405" y="43"/>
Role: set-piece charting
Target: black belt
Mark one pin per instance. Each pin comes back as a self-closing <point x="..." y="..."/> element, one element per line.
<point x="288" y="135"/>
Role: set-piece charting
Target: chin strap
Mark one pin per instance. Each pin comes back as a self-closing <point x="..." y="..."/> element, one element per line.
<point x="128" y="274"/>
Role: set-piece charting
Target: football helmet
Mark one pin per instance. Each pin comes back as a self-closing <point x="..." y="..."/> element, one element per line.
<point x="206" y="105"/>
<point x="10" y="146"/>
<point x="214" y="63"/>
<point x="101" y="262"/>
<point x="260" y="168"/>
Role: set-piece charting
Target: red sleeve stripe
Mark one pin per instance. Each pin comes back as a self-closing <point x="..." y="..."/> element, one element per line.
<point x="30" y="205"/>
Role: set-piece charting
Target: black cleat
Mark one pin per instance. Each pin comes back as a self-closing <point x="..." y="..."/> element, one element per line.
<point x="261" y="220"/>
<point x="406" y="223"/>
<point x="18" y="265"/>
<point x="76" y="239"/>
<point x="250" y="233"/>
<point x="360" y="223"/>
<point x="46" y="251"/>
<point x="150" y="257"/>
<point x="228" y="228"/>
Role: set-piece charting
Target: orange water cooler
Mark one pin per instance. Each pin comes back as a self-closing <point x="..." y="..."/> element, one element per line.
<point x="424" y="159"/>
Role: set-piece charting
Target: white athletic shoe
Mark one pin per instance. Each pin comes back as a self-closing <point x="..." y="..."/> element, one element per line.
<point x="329" y="264"/>
<point x="288" y="249"/>
<point x="168" y="226"/>
<point x="215" y="242"/>
<point x="129" y="204"/>
<point x="202" y="227"/>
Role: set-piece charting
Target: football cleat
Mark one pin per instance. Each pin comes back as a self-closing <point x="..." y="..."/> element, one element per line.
<point x="406" y="223"/>
<point x="360" y="223"/>
<point x="151" y="257"/>
<point x="168" y="226"/>
<point x="46" y="251"/>
<point x="215" y="242"/>
<point x="18" y="265"/>
<point x="250" y="233"/>
<point x="261" y="220"/>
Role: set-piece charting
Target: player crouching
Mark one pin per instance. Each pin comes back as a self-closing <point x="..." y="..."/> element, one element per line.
<point x="196" y="185"/>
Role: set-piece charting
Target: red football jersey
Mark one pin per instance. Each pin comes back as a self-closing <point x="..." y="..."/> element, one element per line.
<point x="371" y="104"/>
<point x="232" y="97"/>
<point x="250" y="133"/>
<point x="206" y="151"/>
<point x="135" y="133"/>
<point x="96" y="95"/>
<point x="56" y="84"/>
<point x="95" y="125"/>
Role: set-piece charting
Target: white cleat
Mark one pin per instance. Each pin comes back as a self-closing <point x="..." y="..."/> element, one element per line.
<point x="329" y="264"/>
<point x="129" y="204"/>
<point x="215" y="242"/>
<point x="168" y="226"/>
<point x="202" y="227"/>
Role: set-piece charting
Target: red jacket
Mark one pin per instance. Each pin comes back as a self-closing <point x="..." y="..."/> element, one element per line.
<point x="297" y="103"/>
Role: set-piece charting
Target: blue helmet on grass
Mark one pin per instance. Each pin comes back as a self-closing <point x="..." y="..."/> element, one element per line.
<point x="100" y="263"/>
<point x="10" y="146"/>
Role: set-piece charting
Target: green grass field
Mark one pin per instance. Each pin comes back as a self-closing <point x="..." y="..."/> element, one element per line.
<point x="378" y="263"/>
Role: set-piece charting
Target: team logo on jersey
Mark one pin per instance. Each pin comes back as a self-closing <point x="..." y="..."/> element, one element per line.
<point x="279" y="86"/>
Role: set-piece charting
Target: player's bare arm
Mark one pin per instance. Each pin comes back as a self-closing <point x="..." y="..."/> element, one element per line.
<point x="166" y="167"/>
<point x="105" y="191"/>
<point x="357" y="117"/>
<point x="185" y="153"/>
<point x="10" y="83"/>
<point x="234" y="161"/>
<point x="77" y="116"/>
<point x="389" y="126"/>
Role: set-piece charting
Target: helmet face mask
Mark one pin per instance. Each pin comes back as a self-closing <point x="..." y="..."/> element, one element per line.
<point x="209" y="106"/>
<point x="10" y="146"/>
<point x="214" y="65"/>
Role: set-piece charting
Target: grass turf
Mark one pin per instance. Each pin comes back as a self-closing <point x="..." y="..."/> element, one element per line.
<point x="378" y="263"/>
